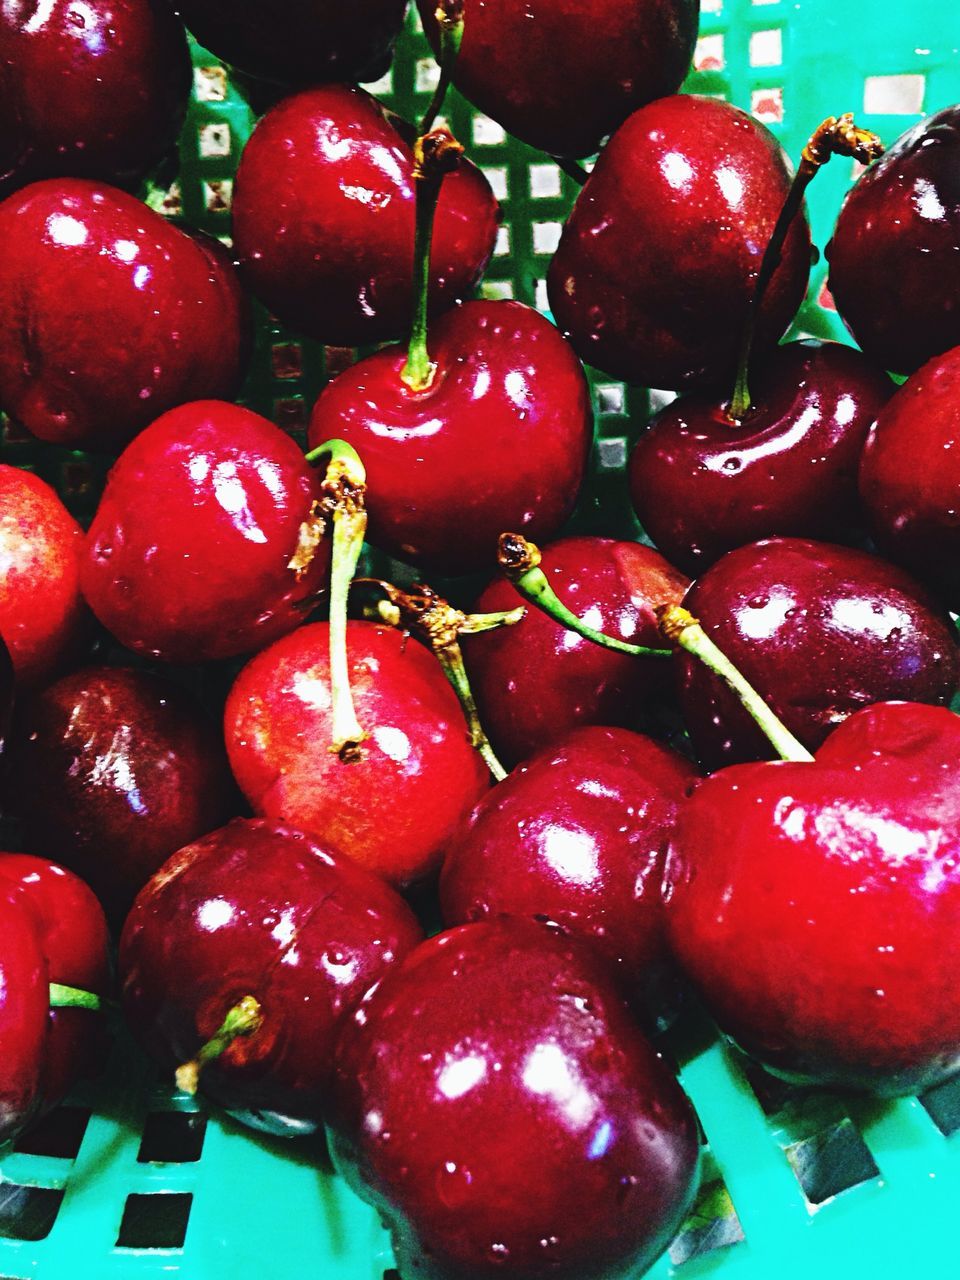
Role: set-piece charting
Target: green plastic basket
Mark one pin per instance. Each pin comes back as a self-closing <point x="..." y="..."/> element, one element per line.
<point x="131" y="1180"/>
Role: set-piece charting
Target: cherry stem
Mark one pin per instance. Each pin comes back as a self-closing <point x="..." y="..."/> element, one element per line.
<point x="520" y="561"/>
<point x="572" y="169"/>
<point x="64" y="997"/>
<point x="344" y="493"/>
<point x="681" y="627"/>
<point x="449" y="16"/>
<point x="435" y="155"/>
<point x="835" y="136"/>
<point x="244" y="1019"/>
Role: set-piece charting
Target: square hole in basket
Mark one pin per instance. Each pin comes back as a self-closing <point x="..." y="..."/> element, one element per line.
<point x="772" y="1093"/>
<point x="427" y="75"/>
<point x="611" y="397"/>
<point x="210" y="84"/>
<point x="502" y="247"/>
<point x="708" y="55"/>
<point x="767" y="105"/>
<point x="894" y="95"/>
<point x="28" y="1213"/>
<point x="487" y="133"/>
<point x="766" y="48"/>
<point x="545" y="182"/>
<point x="498" y="182"/>
<point x="172" y="1137"/>
<point x="157" y="1221"/>
<point x="833" y="1160"/>
<point x="712" y="1223"/>
<point x="214" y="140"/>
<point x="612" y="454"/>
<point x="546" y="236"/>
<point x="942" y="1104"/>
<point x="59" y="1134"/>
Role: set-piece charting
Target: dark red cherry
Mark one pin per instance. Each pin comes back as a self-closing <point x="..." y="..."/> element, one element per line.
<point x="498" y="441"/>
<point x="577" y="835"/>
<point x="395" y="809"/>
<point x="817" y="906"/>
<point x="259" y="910"/>
<point x="24" y="1012"/>
<point x="702" y="484"/>
<point x="92" y="90"/>
<point x="910" y="476"/>
<point x="562" y="75"/>
<point x="658" y="261"/>
<point x="231" y="557"/>
<point x="323" y="219"/>
<point x="819" y="631"/>
<point x="536" y="681"/>
<point x="895" y="252"/>
<point x="496" y="1102"/>
<point x="112" y="771"/>
<point x="108" y="314"/>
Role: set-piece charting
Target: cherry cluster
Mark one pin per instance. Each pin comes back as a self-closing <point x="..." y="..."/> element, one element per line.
<point x="266" y="776"/>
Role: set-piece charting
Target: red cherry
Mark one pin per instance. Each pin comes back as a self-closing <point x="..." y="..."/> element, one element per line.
<point x="24" y="1008"/>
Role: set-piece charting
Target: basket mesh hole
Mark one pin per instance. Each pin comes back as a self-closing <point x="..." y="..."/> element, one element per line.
<point x="28" y="1213"/>
<point x="773" y="1094"/>
<point x="172" y="1137"/>
<point x="157" y="1221"/>
<point x="713" y="1222"/>
<point x="58" y="1135"/>
<point x="942" y="1104"/>
<point x="831" y="1161"/>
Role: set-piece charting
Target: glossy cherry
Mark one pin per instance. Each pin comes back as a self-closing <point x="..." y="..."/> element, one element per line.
<point x="697" y="184"/>
<point x="262" y="910"/>
<point x="394" y="809"/>
<point x="87" y="269"/>
<point x="42" y="616"/>
<point x="536" y="681"/>
<point x="209" y="575"/>
<point x="98" y="90"/>
<point x="498" y="1105"/>
<point x="112" y="770"/>
<point x="577" y="836"/>
<point x="910" y="476"/>
<point x="702" y="484"/>
<point x="833" y="954"/>
<point x="819" y="631"/>
<point x="323" y="219"/>
<point x="7" y="687"/>
<point x="895" y="252"/>
<point x="498" y="440"/>
<point x="561" y="76"/>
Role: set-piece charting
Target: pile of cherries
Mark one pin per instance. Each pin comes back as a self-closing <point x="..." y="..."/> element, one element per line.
<point x="208" y="765"/>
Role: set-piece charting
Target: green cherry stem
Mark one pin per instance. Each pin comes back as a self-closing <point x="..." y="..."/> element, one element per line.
<point x="435" y="155"/>
<point x="344" y="492"/>
<point x="449" y="16"/>
<point x="683" y="629"/>
<point x="835" y="136"/>
<point x="64" y="997"/>
<point x="245" y="1018"/>
<point x="520" y="561"/>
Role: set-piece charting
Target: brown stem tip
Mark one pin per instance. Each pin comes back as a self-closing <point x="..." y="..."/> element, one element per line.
<point x="435" y="154"/>
<point x="516" y="555"/>
<point x="840" y="135"/>
<point x="449" y="13"/>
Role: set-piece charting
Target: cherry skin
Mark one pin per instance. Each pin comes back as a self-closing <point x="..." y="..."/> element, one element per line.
<point x="395" y="809"/>
<point x="894" y="255"/>
<point x="85" y="267"/>
<point x="99" y="91"/>
<point x="697" y="184"/>
<point x="702" y="484"/>
<point x="257" y="909"/>
<point x="323" y="219"/>
<point x="577" y="835"/>
<point x="561" y="76"/>
<point x="497" y="1104"/>
<point x="819" y="631"/>
<point x="24" y="1008"/>
<point x="498" y="441"/>
<point x="910" y="476"/>
<point x="209" y="575"/>
<point x="313" y="39"/>
<point x="42" y="616"/>
<point x="7" y="685"/>
<point x="536" y="681"/>
<point x="834" y="955"/>
<point x="113" y="770"/>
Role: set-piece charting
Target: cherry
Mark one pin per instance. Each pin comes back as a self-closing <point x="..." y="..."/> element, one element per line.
<point x="894" y="255"/>
<point x="702" y="484"/>
<point x="85" y="267"/>
<point x="498" y="1105"/>
<point x="562" y="76"/>
<point x="696" y="183"/>
<point x="42" y="616"/>
<point x="98" y="90"/>
<point x="393" y="809"/>
<point x="910" y="476"/>
<point x="263" y="913"/>
<point x="323" y="219"/>
<point x="112" y="771"/>
<point x="24" y="1008"/>
<point x="832" y="957"/>
<point x="577" y="835"/>
<point x="819" y="631"/>
<point x="536" y="681"/>
<point x="232" y="556"/>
